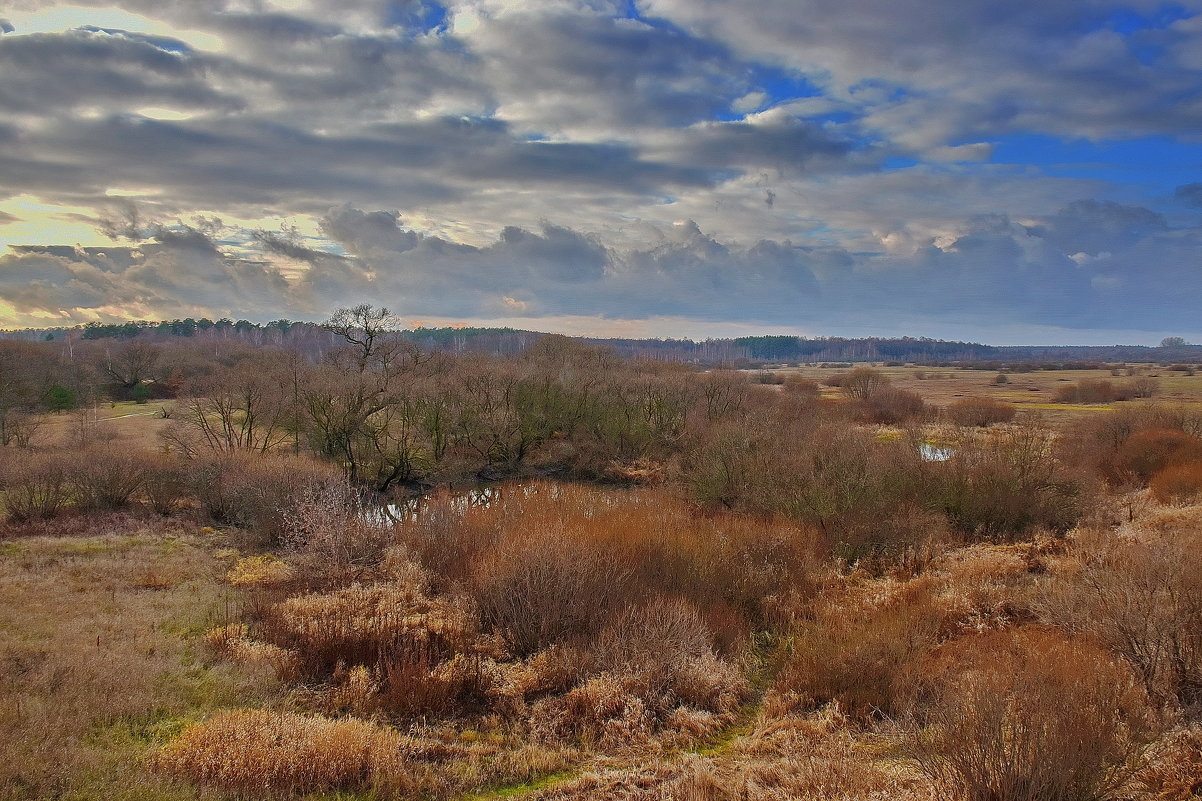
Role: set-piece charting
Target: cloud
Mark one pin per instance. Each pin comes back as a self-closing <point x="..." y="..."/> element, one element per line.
<point x="1191" y="194"/>
<point x="776" y="161"/>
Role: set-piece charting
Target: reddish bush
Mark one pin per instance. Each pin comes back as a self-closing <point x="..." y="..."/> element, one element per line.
<point x="979" y="412"/>
<point x="1030" y="714"/>
<point x="1150" y="450"/>
<point x="1177" y="483"/>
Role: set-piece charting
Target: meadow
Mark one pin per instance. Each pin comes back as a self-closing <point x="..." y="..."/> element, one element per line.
<point x="680" y="585"/>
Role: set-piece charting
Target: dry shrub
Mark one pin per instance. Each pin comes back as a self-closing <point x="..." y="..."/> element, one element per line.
<point x="1094" y="391"/>
<point x="332" y="539"/>
<point x="1177" y="483"/>
<point x="889" y="406"/>
<point x="548" y="563"/>
<point x="1030" y="715"/>
<point x="259" y="752"/>
<point x="541" y="589"/>
<point x="861" y="649"/>
<point x="979" y="412"/>
<point x="1009" y="482"/>
<point x="252" y="491"/>
<point x="106" y="477"/>
<point x="652" y="669"/>
<point x="1150" y="450"/>
<point x="802" y="387"/>
<point x="165" y="482"/>
<point x="39" y="485"/>
<point x="1144" y="600"/>
<point x="1174" y="769"/>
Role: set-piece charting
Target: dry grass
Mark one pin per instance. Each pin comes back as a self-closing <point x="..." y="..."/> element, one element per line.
<point x="97" y="659"/>
<point x="258" y="752"/>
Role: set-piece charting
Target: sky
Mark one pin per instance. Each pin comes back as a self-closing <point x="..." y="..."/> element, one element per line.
<point x="1002" y="171"/>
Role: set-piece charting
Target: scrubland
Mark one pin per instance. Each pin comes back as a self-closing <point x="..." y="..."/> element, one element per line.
<point x="678" y="585"/>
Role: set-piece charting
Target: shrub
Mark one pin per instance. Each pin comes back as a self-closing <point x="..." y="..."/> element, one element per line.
<point x="1177" y="483"/>
<point x="889" y="406"/>
<point x="1000" y="379"/>
<point x="1030" y="714"/>
<point x="1009" y="482"/>
<point x="253" y="751"/>
<point x="862" y="651"/>
<point x="164" y="482"/>
<point x="653" y="667"/>
<point x="332" y="539"/>
<point x="39" y="485"/>
<point x="979" y="412"/>
<point x="1141" y="599"/>
<point x="106" y="478"/>
<point x="253" y="491"/>
<point x="1095" y="391"/>
<point x="1150" y="450"/>
<point x="862" y="383"/>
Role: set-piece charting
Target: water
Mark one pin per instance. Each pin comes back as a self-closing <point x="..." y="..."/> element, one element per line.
<point x="932" y="453"/>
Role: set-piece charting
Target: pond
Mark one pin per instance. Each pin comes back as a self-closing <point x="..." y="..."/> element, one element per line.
<point x="933" y="453"/>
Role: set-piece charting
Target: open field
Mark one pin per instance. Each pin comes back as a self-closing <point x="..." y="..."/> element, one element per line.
<point x="1032" y="391"/>
<point x="99" y="625"/>
<point x="679" y="585"/>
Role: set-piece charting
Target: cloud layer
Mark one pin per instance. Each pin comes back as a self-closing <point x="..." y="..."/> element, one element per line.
<point x="812" y="166"/>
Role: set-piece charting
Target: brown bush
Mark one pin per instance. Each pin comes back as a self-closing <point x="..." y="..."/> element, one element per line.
<point x="979" y="412"/>
<point x="548" y="563"/>
<point x="107" y="478"/>
<point x="1150" y="450"/>
<point x="1030" y="714"/>
<point x="803" y="387"/>
<point x="256" y="751"/>
<point x="165" y="482"/>
<point x="332" y="539"/>
<point x="889" y="406"/>
<point x="862" y="383"/>
<point x="1093" y="391"/>
<point x="1177" y="483"/>
<point x="862" y="651"/>
<point x="38" y="485"/>
<point x="1141" y="599"/>
<point x="252" y="491"/>
<point x="1008" y="483"/>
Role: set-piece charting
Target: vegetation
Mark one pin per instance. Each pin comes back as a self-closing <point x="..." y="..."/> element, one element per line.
<point x="374" y="570"/>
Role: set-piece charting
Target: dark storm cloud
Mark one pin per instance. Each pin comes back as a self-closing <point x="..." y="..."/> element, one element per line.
<point x="56" y="72"/>
<point x="1190" y="193"/>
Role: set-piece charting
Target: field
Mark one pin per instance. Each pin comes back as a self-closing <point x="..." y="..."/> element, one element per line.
<point x="1028" y="391"/>
<point x="678" y="585"/>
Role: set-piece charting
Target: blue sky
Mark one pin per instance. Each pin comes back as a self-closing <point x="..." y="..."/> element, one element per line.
<point x="997" y="171"/>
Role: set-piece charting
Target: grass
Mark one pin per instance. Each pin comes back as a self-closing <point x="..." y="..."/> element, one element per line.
<point x="98" y="663"/>
<point x="1030" y="391"/>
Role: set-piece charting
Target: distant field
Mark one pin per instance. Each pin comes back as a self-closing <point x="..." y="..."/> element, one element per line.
<point x="127" y="421"/>
<point x="1033" y="391"/>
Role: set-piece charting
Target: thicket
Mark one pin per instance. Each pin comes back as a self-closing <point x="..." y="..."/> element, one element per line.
<point x="737" y="550"/>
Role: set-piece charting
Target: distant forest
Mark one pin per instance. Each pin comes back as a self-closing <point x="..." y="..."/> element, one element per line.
<point x="752" y="351"/>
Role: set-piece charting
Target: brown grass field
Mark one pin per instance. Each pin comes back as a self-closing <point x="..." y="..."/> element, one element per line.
<point x="803" y="608"/>
<point x="1031" y="391"/>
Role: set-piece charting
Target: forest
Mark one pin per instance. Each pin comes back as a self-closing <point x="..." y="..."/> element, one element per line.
<point x="333" y="562"/>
